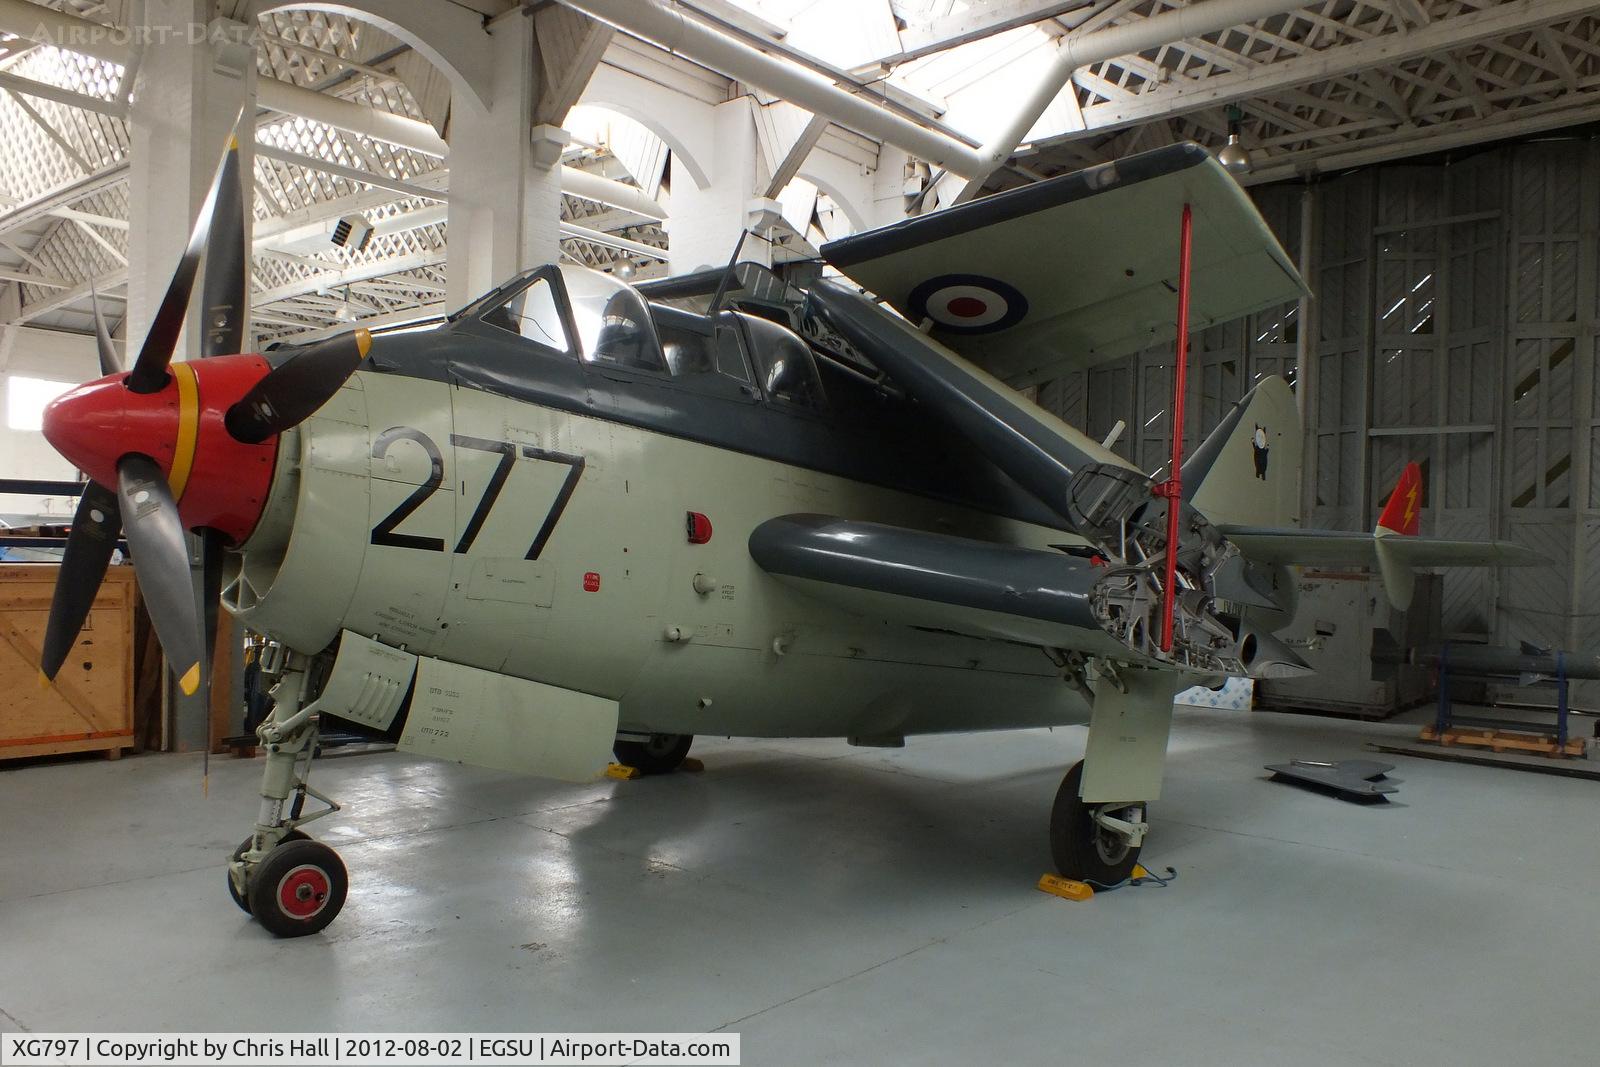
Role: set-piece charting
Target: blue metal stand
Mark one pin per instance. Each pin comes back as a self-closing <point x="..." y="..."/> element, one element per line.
<point x="1444" y="718"/>
<point x="1441" y="719"/>
<point x="1561" y="699"/>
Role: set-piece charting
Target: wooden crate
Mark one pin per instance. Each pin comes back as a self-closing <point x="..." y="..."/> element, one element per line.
<point x="90" y="706"/>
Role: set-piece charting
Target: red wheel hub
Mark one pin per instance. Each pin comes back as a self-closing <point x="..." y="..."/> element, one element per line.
<point x="303" y="892"/>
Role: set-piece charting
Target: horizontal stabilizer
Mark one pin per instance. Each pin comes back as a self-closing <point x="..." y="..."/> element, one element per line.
<point x="1076" y="270"/>
<point x="1330" y="548"/>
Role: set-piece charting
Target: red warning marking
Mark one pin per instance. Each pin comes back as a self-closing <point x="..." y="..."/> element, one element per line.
<point x="591" y="582"/>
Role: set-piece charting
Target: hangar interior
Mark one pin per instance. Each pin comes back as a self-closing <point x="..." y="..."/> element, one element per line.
<point x="1430" y="168"/>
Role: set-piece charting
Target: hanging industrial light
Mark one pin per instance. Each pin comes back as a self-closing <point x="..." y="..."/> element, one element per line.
<point x="1234" y="157"/>
<point x="346" y="311"/>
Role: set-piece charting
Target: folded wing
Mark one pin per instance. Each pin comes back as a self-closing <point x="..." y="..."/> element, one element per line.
<point x="1076" y="270"/>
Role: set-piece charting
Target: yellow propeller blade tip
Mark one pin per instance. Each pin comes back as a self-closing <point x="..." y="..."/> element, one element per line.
<point x="45" y="681"/>
<point x="233" y="143"/>
<point x="190" y="680"/>
<point x="363" y="341"/>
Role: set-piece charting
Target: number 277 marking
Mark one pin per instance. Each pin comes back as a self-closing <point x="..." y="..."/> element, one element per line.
<point x="385" y="534"/>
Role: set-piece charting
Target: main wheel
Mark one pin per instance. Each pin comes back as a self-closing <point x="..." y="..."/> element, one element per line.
<point x="298" y="888"/>
<point x="238" y="854"/>
<point x="1081" y="847"/>
<point x="659" y="755"/>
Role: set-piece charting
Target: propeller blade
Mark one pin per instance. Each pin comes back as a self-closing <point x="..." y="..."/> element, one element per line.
<point x="161" y="560"/>
<point x="83" y="567"/>
<point x="294" y="389"/>
<point x="150" y="369"/>
<point x="110" y="361"/>
<point x="223" y="291"/>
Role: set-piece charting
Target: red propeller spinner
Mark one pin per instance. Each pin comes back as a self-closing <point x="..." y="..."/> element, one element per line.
<point x="217" y="480"/>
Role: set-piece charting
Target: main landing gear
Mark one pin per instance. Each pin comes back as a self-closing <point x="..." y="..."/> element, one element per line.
<point x="652" y="753"/>
<point x="292" y="885"/>
<point x="1095" y="843"/>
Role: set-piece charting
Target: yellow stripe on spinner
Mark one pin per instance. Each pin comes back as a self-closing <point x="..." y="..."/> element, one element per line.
<point x="190" y="680"/>
<point x="188" y="428"/>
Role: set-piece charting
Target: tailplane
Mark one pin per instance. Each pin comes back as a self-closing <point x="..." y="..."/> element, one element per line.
<point x="1394" y="546"/>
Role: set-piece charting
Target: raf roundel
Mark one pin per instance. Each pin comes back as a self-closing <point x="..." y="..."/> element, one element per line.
<point x="968" y="303"/>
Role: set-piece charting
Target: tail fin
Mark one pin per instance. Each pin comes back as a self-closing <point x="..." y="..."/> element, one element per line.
<point x="1402" y="517"/>
<point x="1403" y="514"/>
<point x="1247" y="473"/>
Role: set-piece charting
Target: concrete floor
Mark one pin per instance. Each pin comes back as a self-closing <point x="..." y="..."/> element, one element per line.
<point x="836" y="905"/>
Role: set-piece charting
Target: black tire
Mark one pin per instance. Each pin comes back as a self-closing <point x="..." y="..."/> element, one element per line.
<point x="298" y="889"/>
<point x="238" y="853"/>
<point x="662" y="754"/>
<point x="1080" y="847"/>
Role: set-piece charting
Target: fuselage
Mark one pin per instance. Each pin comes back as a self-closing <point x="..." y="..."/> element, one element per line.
<point x="475" y="496"/>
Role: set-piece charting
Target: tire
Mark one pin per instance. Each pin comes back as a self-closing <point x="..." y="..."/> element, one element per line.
<point x="1080" y="848"/>
<point x="298" y="888"/>
<point x="662" y="754"/>
<point x="238" y="853"/>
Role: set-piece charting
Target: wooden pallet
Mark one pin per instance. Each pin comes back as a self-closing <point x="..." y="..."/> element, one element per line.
<point x="1504" y="741"/>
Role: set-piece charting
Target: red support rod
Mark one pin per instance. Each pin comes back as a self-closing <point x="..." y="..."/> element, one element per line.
<point x="1172" y="488"/>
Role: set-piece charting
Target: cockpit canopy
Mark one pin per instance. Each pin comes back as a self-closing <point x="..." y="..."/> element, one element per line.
<point x="577" y="311"/>
<point x="612" y="320"/>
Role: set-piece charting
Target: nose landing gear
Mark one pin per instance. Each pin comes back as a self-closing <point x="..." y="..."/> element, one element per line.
<point x="292" y="885"/>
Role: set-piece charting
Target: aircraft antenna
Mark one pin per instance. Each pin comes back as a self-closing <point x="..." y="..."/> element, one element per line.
<point x="1172" y="488"/>
<point x="727" y="275"/>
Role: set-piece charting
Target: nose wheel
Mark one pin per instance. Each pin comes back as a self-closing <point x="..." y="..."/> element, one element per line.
<point x="1097" y="843"/>
<point x="298" y="888"/>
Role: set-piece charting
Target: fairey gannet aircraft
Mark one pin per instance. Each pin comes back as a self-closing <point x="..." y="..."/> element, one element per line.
<point x="583" y="517"/>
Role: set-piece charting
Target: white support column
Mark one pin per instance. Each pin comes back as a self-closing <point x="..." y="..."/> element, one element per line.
<point x="505" y="186"/>
<point x="894" y="183"/>
<point x="195" y="77"/>
<point x="704" y="223"/>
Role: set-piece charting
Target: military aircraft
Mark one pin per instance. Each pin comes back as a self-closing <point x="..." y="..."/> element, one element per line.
<point x="584" y="519"/>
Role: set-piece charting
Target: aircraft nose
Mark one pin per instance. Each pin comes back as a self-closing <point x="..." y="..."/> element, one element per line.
<point x="217" y="480"/>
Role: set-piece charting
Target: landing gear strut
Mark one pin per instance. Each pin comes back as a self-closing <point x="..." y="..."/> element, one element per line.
<point x="292" y="885"/>
<point x="1096" y="843"/>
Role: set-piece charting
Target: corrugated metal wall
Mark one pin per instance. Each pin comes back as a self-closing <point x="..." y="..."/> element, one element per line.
<point x="1454" y="323"/>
